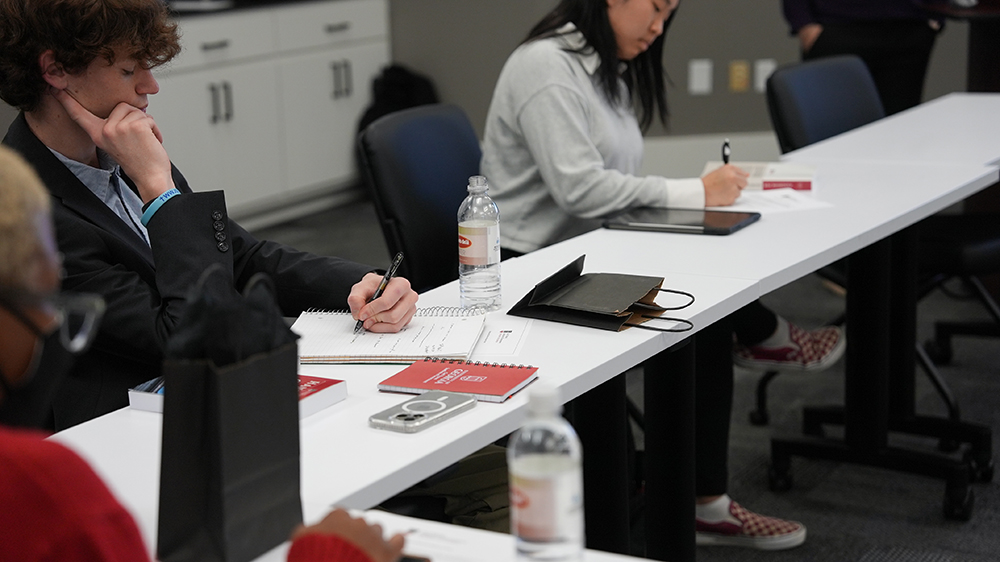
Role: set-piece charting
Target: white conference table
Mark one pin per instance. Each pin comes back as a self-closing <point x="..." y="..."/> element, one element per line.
<point x="958" y="128"/>
<point x="870" y="201"/>
<point x="344" y="462"/>
<point x="442" y="542"/>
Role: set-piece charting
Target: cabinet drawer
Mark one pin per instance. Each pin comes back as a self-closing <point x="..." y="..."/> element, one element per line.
<point x="222" y="38"/>
<point x="329" y="23"/>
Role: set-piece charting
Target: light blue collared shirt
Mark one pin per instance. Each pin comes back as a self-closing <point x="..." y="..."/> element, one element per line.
<point x="106" y="183"/>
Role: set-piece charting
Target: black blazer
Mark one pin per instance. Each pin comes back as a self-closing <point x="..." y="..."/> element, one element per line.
<point x="145" y="286"/>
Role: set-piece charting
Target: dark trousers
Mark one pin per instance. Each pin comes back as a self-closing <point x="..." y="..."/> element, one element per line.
<point x="713" y="403"/>
<point x="753" y="323"/>
<point x="896" y="53"/>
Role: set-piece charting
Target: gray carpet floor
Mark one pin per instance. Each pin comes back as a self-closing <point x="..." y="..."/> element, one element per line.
<point x="851" y="512"/>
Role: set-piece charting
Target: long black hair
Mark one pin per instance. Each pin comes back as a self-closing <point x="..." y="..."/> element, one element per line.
<point x="643" y="75"/>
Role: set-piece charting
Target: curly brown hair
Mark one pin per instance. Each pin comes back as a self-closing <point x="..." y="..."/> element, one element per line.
<point x="77" y="31"/>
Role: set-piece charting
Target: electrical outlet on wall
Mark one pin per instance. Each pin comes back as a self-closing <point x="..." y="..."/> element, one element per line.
<point x="700" y="77"/>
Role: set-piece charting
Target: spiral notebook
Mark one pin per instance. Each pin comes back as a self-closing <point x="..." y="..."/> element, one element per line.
<point x="489" y="382"/>
<point x="437" y="332"/>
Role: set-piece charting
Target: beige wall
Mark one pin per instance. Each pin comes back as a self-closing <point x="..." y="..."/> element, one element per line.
<point x="462" y="44"/>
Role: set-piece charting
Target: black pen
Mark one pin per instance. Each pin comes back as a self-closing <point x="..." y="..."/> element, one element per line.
<point x="381" y="286"/>
<point x="725" y="152"/>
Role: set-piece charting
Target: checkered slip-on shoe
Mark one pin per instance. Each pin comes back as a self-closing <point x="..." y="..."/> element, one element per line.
<point x="806" y="350"/>
<point x="748" y="529"/>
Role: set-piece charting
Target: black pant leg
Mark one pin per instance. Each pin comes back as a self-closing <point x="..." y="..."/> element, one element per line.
<point x="713" y="407"/>
<point x="753" y="323"/>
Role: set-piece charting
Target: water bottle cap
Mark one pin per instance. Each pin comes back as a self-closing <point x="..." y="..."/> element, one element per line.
<point x="478" y="183"/>
<point x="543" y="398"/>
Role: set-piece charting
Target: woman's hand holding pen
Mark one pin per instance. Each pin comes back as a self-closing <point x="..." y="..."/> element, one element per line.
<point x="724" y="185"/>
<point x="389" y="312"/>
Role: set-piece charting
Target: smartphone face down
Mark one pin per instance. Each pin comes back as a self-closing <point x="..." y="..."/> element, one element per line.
<point x="422" y="411"/>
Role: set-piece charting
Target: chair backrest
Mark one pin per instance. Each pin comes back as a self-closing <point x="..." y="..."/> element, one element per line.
<point x="814" y="100"/>
<point x="417" y="163"/>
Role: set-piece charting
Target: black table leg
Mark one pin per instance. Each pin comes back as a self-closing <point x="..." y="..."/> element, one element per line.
<point x="881" y="304"/>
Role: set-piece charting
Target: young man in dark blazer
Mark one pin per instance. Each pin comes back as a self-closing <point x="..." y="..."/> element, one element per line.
<point x="128" y="224"/>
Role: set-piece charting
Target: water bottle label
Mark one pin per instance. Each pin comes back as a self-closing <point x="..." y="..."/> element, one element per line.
<point x="479" y="245"/>
<point x="546" y="509"/>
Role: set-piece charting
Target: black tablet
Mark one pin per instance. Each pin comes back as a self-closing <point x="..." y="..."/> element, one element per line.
<point x="691" y="221"/>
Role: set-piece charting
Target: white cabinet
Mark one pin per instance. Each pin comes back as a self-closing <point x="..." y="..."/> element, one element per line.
<point x="264" y="103"/>
<point x="323" y="96"/>
<point x="220" y="127"/>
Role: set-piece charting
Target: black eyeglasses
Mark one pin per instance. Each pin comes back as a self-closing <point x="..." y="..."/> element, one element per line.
<point x="77" y="315"/>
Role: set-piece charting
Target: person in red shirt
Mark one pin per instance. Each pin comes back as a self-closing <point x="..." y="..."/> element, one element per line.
<point x="54" y="506"/>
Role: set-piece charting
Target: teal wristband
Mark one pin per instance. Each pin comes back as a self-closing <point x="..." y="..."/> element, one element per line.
<point x="155" y="204"/>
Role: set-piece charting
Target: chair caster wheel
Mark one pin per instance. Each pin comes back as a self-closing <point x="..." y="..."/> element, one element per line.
<point x="958" y="503"/>
<point x="779" y="480"/>
<point x="938" y="351"/>
<point x="758" y="417"/>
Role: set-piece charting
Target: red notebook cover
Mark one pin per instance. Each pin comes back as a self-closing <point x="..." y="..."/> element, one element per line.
<point x="316" y="393"/>
<point x="489" y="382"/>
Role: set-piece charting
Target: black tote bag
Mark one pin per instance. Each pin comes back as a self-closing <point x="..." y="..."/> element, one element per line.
<point x="229" y="466"/>
<point x="229" y="472"/>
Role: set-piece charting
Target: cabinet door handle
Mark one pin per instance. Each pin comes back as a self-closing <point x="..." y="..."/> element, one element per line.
<point x="348" y="79"/>
<point x="214" y="90"/>
<point x="215" y="45"/>
<point x="335" y="66"/>
<point x="339" y="27"/>
<point x="227" y="91"/>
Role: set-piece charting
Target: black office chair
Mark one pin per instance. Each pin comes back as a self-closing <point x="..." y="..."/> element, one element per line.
<point x="416" y="164"/>
<point x="815" y="100"/>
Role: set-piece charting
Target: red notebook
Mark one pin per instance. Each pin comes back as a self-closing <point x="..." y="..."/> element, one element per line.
<point x="489" y="382"/>
<point x="316" y="393"/>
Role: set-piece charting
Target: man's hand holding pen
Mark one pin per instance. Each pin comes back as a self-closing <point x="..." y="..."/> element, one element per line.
<point x="387" y="312"/>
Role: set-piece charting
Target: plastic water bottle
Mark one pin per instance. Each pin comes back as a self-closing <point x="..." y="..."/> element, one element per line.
<point x="544" y="458"/>
<point x="479" y="248"/>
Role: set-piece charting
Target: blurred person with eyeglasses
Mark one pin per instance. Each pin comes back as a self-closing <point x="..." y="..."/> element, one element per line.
<point x="40" y="327"/>
<point x="52" y="504"/>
